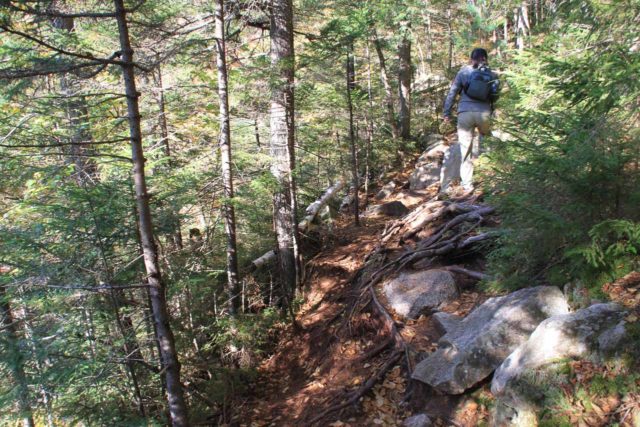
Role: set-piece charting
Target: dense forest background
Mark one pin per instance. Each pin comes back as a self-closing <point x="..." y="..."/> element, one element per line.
<point x="152" y="151"/>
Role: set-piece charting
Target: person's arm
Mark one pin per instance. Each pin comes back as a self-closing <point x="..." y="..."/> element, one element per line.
<point x="456" y="87"/>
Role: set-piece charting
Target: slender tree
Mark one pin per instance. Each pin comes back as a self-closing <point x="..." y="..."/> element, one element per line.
<point x="168" y="353"/>
<point x="282" y="140"/>
<point x="225" y="160"/>
<point x="388" y="91"/>
<point x="79" y="150"/>
<point x="176" y="233"/>
<point x="404" y="77"/>
<point x="355" y="179"/>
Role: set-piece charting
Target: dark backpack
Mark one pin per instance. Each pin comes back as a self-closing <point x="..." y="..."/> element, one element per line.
<point x="482" y="85"/>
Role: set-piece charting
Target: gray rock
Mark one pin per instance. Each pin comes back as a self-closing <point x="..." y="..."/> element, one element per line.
<point x="420" y="420"/>
<point x="427" y="171"/>
<point x="386" y="190"/>
<point x="446" y="322"/>
<point x="590" y="332"/>
<point x="435" y="152"/>
<point x="432" y="139"/>
<point x="424" y="175"/>
<point x="514" y="413"/>
<point x="482" y="340"/>
<point x="394" y="208"/>
<point x="410" y="294"/>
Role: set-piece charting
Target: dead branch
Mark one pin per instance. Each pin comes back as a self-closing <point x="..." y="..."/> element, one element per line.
<point x="474" y="274"/>
<point x="311" y="212"/>
<point x="368" y="385"/>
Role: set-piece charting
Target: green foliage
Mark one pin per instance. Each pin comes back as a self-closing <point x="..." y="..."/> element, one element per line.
<point x="566" y="184"/>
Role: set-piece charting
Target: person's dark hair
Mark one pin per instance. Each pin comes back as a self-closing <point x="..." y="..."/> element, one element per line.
<point x="479" y="55"/>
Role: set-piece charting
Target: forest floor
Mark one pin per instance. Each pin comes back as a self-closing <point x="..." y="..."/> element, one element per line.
<point x="343" y="369"/>
<point x="341" y="350"/>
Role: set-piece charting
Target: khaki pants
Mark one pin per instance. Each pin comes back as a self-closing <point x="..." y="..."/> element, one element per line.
<point x="458" y="160"/>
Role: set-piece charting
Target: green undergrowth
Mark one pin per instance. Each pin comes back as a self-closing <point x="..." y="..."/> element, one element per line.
<point x="565" y="182"/>
<point x="568" y="393"/>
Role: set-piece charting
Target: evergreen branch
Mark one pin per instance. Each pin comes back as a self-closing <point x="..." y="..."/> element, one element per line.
<point x="49" y="13"/>
<point x="81" y="55"/>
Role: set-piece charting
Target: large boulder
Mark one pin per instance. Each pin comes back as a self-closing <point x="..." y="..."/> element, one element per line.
<point x="420" y="420"/>
<point x="395" y="208"/>
<point x="386" y="190"/>
<point x="519" y="383"/>
<point x="411" y="294"/>
<point x="424" y="175"/>
<point x="427" y="171"/>
<point x="473" y="348"/>
<point x="446" y="322"/>
<point x="591" y="332"/>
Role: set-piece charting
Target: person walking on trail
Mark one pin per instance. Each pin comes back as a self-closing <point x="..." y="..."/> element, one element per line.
<point x="478" y="88"/>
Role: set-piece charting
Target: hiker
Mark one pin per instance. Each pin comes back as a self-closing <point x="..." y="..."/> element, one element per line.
<point x="478" y="88"/>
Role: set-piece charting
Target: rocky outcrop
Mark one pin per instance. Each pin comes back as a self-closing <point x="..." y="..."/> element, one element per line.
<point x="446" y="322"/>
<point x="427" y="170"/>
<point x="394" y="208"/>
<point x="420" y="420"/>
<point x="475" y="347"/>
<point x="386" y="190"/>
<point x="411" y="294"/>
<point x="591" y="332"/>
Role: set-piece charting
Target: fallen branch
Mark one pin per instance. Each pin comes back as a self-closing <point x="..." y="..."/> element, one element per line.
<point x="314" y="208"/>
<point x="311" y="212"/>
<point x="474" y="274"/>
<point x="367" y="386"/>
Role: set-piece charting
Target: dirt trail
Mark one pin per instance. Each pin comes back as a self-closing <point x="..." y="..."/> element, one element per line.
<point x="336" y="353"/>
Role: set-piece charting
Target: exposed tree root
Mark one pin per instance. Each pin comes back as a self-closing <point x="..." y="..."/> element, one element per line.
<point x="473" y="274"/>
<point x="452" y="237"/>
<point x="367" y="386"/>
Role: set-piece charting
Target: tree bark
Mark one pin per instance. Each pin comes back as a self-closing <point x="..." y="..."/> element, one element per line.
<point x="282" y="141"/>
<point x="355" y="179"/>
<point x="369" y="118"/>
<point x="79" y="150"/>
<point x="225" y="160"/>
<point x="16" y="364"/>
<point x="450" y="37"/>
<point x="169" y="356"/>
<point x="388" y="91"/>
<point x="176" y="236"/>
<point x="404" y="77"/>
<point x="256" y="131"/>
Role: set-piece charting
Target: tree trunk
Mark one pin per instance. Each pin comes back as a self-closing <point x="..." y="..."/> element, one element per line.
<point x="282" y="141"/>
<point x="225" y="160"/>
<point x="369" y="118"/>
<point x="16" y="363"/>
<point x="526" y="26"/>
<point x="169" y="356"/>
<point x="355" y="179"/>
<point x="176" y="236"/>
<point x="404" y="77"/>
<point x="520" y="26"/>
<point x="429" y="43"/>
<point x="388" y="91"/>
<point x="256" y="131"/>
<point x="505" y="31"/>
<point x="450" y="32"/>
<point x="79" y="150"/>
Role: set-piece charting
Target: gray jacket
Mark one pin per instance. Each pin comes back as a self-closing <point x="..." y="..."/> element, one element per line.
<point x="466" y="103"/>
